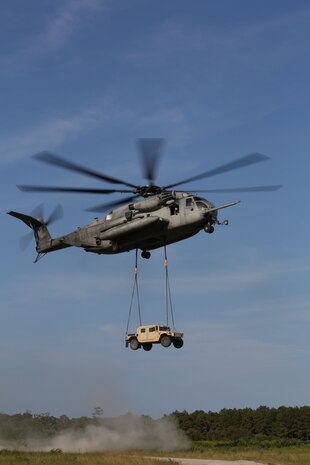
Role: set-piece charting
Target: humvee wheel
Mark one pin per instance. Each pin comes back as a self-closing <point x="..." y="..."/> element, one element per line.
<point x="147" y="346"/>
<point x="134" y="344"/>
<point x="178" y="343"/>
<point x="165" y="340"/>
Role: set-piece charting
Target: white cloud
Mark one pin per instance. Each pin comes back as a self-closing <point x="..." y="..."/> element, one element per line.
<point x="65" y="21"/>
<point x="284" y="32"/>
<point x="244" y="55"/>
<point x="54" y="35"/>
<point x="53" y="132"/>
<point x="289" y="310"/>
<point x="228" y="336"/>
<point x="236" y="279"/>
<point x="49" y="134"/>
<point x="70" y="15"/>
<point x="79" y="285"/>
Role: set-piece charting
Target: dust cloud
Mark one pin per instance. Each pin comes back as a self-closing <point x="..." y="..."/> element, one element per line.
<point x="117" y="434"/>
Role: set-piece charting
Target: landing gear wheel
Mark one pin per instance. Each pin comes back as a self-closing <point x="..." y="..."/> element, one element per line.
<point x="209" y="228"/>
<point x="145" y="254"/>
<point x="147" y="346"/>
<point x="165" y="341"/>
<point x="134" y="344"/>
<point x="178" y="343"/>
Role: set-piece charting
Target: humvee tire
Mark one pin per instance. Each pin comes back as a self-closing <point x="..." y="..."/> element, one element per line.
<point x="134" y="344"/>
<point x="178" y="343"/>
<point x="165" y="340"/>
<point x="147" y="346"/>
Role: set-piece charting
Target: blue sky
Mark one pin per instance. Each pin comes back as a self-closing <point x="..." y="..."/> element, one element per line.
<point x="218" y="80"/>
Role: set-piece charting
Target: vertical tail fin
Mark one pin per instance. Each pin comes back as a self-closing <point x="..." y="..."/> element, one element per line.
<point x="40" y="231"/>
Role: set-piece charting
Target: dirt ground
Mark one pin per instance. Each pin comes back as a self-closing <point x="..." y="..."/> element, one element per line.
<point x="188" y="461"/>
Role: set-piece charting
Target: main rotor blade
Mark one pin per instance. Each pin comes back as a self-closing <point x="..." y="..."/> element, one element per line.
<point x="235" y="164"/>
<point x="150" y="154"/>
<point x="30" y="188"/>
<point x="107" y="206"/>
<point x="52" y="159"/>
<point x="242" y="189"/>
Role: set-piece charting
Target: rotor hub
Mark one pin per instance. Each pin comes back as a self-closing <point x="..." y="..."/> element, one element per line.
<point x="149" y="190"/>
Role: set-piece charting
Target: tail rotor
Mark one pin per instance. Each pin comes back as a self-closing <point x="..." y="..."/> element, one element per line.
<point x="38" y="214"/>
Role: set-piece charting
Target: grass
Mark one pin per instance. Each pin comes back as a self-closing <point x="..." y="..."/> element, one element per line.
<point x="269" y="454"/>
<point x="286" y="456"/>
<point x="54" y="458"/>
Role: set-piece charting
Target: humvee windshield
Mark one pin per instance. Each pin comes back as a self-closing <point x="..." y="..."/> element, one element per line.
<point x="164" y="328"/>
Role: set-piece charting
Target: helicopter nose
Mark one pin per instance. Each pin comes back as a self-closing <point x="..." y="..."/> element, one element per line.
<point x="211" y="216"/>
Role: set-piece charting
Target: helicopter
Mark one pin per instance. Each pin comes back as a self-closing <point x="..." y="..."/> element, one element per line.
<point x="151" y="217"/>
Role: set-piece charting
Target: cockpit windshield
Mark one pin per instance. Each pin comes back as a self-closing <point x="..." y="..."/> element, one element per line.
<point x="200" y="204"/>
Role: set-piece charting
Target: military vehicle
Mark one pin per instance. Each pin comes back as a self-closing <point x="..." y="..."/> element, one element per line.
<point x="146" y="336"/>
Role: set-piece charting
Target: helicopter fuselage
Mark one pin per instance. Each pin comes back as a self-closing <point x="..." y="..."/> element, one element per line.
<point x="148" y="224"/>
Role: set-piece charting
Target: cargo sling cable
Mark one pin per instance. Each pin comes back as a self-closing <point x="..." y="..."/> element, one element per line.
<point x="135" y="291"/>
<point x="168" y="293"/>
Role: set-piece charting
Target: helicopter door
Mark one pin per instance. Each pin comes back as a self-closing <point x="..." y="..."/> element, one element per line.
<point x="189" y="204"/>
<point x="186" y="208"/>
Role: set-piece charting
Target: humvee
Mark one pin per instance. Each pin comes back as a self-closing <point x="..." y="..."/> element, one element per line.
<point x="146" y="336"/>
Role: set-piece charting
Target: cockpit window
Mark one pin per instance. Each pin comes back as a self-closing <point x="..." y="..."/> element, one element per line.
<point x="200" y="204"/>
<point x="189" y="202"/>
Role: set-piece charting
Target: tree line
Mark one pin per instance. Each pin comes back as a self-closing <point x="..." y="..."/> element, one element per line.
<point x="227" y="424"/>
<point x="233" y="424"/>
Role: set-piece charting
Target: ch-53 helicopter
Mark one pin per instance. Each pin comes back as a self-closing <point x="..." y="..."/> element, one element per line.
<point x="163" y="215"/>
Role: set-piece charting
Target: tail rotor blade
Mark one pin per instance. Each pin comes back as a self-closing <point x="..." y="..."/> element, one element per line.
<point x="56" y="214"/>
<point x="38" y="214"/>
<point x="38" y="211"/>
<point x="25" y="240"/>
